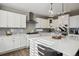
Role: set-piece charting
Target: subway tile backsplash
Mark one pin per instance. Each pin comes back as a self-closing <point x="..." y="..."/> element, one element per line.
<point x="14" y="31"/>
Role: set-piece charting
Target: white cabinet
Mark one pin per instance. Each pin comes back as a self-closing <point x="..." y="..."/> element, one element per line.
<point x="63" y="19"/>
<point x="45" y="23"/>
<point x="6" y="44"/>
<point x="42" y="23"/>
<point x="1" y="45"/>
<point x="11" y="19"/>
<point x="60" y="20"/>
<point x="23" y="42"/>
<point x="54" y="23"/>
<point x="3" y="18"/>
<point x="38" y="23"/>
<point x="74" y="21"/>
<point x="19" y="42"/>
<point x="11" y="43"/>
<point x="16" y="42"/>
<point x="16" y="20"/>
<point x="23" y="21"/>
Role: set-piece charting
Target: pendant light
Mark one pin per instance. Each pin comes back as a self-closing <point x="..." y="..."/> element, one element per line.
<point x="62" y="8"/>
<point x="50" y="13"/>
<point x="51" y="10"/>
<point x="50" y="17"/>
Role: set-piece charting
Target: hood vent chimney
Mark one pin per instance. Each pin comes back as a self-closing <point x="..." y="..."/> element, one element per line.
<point x="30" y="18"/>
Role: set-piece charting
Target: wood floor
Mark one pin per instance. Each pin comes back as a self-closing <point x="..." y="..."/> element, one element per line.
<point x="21" y="52"/>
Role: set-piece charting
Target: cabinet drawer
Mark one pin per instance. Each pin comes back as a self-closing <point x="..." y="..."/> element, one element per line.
<point x="46" y="51"/>
<point x="40" y="53"/>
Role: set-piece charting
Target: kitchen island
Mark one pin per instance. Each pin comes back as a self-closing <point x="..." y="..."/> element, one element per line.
<point x="67" y="45"/>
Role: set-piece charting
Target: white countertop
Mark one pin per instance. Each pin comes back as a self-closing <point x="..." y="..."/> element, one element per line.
<point x="14" y="35"/>
<point x="66" y="45"/>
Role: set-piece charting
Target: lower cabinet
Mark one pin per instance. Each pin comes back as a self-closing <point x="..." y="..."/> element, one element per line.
<point x="23" y="42"/>
<point x="12" y="43"/>
<point x="6" y="44"/>
<point x="16" y="42"/>
<point x="2" y="45"/>
<point x="42" y="49"/>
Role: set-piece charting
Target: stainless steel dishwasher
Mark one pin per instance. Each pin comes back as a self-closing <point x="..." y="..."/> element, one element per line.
<point x="46" y="51"/>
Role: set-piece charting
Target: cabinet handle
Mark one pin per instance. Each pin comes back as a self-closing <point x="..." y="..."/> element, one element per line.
<point x="41" y="47"/>
<point x="41" y="53"/>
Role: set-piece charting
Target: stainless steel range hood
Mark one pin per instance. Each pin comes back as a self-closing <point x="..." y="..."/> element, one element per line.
<point x="30" y="18"/>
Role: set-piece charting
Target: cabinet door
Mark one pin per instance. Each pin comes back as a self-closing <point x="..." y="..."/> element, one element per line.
<point x="77" y="21"/>
<point x="73" y="22"/>
<point x="3" y="18"/>
<point x="9" y="43"/>
<point x="16" y="42"/>
<point x="23" y="42"/>
<point x="55" y="23"/>
<point x="65" y="19"/>
<point x="2" y="48"/>
<point x="13" y="20"/>
<point x="23" y="21"/>
<point x="6" y="44"/>
<point x="38" y="23"/>
<point x="17" y="20"/>
<point x="44" y="23"/>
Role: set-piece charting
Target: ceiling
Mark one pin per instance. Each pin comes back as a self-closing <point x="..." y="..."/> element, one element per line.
<point x="42" y="8"/>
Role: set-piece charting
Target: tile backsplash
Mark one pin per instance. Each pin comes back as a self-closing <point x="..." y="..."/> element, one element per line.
<point x="14" y="31"/>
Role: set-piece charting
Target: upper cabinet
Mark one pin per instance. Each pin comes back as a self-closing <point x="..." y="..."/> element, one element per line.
<point x="45" y="23"/>
<point x="3" y="18"/>
<point x="42" y="23"/>
<point x="23" y="21"/>
<point x="74" y="21"/>
<point x="63" y="19"/>
<point x="38" y="25"/>
<point x="54" y="23"/>
<point x="13" y="20"/>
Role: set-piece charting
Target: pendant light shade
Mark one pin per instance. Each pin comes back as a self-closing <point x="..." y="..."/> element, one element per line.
<point x="50" y="11"/>
<point x="62" y="8"/>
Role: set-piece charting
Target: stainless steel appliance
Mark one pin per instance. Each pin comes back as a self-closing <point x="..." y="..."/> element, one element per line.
<point x="46" y="51"/>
